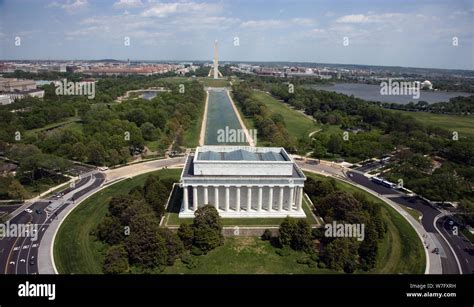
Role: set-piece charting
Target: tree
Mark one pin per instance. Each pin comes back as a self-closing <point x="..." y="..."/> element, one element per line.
<point x="96" y="153"/>
<point x="337" y="205"/>
<point x="16" y="190"/>
<point x="301" y="239"/>
<point x="148" y="131"/>
<point x="340" y="254"/>
<point x="286" y="230"/>
<point x="110" y="230"/>
<point x="156" y="194"/>
<point x="207" y="228"/>
<point x="116" y="260"/>
<point x="174" y="245"/>
<point x="295" y="233"/>
<point x="267" y="235"/>
<point x="335" y="144"/>
<point x="186" y="234"/>
<point x="145" y="247"/>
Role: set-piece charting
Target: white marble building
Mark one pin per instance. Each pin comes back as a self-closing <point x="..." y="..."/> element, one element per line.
<point x="242" y="181"/>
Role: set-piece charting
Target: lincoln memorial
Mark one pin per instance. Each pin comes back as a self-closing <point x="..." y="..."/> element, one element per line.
<point x="242" y="181"/>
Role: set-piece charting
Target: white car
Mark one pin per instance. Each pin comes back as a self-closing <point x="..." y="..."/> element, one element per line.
<point x="28" y="210"/>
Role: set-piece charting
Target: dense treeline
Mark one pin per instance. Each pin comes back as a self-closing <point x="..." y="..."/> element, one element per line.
<point x="378" y="131"/>
<point x="270" y="126"/>
<point x="137" y="244"/>
<point x="110" y="133"/>
<point x="456" y="105"/>
<point x="334" y="205"/>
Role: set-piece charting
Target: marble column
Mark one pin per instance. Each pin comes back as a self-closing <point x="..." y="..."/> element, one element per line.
<point x="226" y="199"/>
<point x="185" y="198"/>
<point x="206" y="196"/>
<point x="300" y="198"/>
<point x="249" y="198"/>
<point x="216" y="198"/>
<point x="259" y="208"/>
<point x="237" y="203"/>
<point x="270" y="199"/>
<point x="280" y="205"/>
<point x="195" y="198"/>
<point x="290" y="202"/>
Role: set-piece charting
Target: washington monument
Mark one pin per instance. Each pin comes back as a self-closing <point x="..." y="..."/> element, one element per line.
<point x="215" y="66"/>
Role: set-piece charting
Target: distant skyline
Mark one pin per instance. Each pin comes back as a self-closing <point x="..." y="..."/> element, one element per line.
<point x="384" y="33"/>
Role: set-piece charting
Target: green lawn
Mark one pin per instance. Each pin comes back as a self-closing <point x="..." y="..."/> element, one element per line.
<point x="298" y="125"/>
<point x="213" y="83"/>
<point x="75" y="249"/>
<point x="65" y="122"/>
<point x="401" y="250"/>
<point x="192" y="134"/>
<point x="246" y="255"/>
<point x="464" y="125"/>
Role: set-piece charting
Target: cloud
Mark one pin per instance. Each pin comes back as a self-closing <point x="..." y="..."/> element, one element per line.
<point x="165" y="9"/>
<point x="274" y="23"/>
<point x="371" y="18"/>
<point x="128" y="4"/>
<point x="70" y="6"/>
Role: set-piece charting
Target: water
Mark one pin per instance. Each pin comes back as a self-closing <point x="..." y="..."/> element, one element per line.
<point x="148" y="95"/>
<point x="371" y="92"/>
<point x="219" y="115"/>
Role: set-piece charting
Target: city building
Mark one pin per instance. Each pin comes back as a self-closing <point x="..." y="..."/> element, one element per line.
<point x="12" y="88"/>
<point x="242" y="181"/>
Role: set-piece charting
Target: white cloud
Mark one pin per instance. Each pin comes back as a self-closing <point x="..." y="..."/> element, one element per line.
<point x="274" y="23"/>
<point x="128" y="4"/>
<point x="165" y="9"/>
<point x="70" y="6"/>
<point x="371" y="18"/>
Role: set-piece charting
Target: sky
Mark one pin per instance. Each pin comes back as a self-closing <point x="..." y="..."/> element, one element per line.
<point x="432" y="33"/>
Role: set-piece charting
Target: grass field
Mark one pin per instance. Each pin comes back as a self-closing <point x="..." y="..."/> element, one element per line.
<point x="246" y="255"/>
<point x="298" y="125"/>
<point x="192" y="134"/>
<point x="464" y="125"/>
<point x="213" y="83"/>
<point x="401" y="250"/>
<point x="75" y="249"/>
<point x="68" y="122"/>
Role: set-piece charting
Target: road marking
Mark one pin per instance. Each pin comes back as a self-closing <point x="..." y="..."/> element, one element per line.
<point x="11" y="250"/>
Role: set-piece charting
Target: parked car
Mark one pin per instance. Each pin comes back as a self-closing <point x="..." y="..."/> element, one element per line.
<point x="28" y="210"/>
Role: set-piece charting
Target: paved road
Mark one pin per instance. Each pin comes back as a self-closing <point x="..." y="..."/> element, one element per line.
<point x="448" y="260"/>
<point x="19" y="255"/>
<point x="461" y="245"/>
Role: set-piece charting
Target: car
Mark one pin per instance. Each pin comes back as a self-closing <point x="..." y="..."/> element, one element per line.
<point x="436" y="251"/>
<point x="38" y="211"/>
<point x="27" y="210"/>
<point x="32" y="260"/>
<point x="451" y="222"/>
